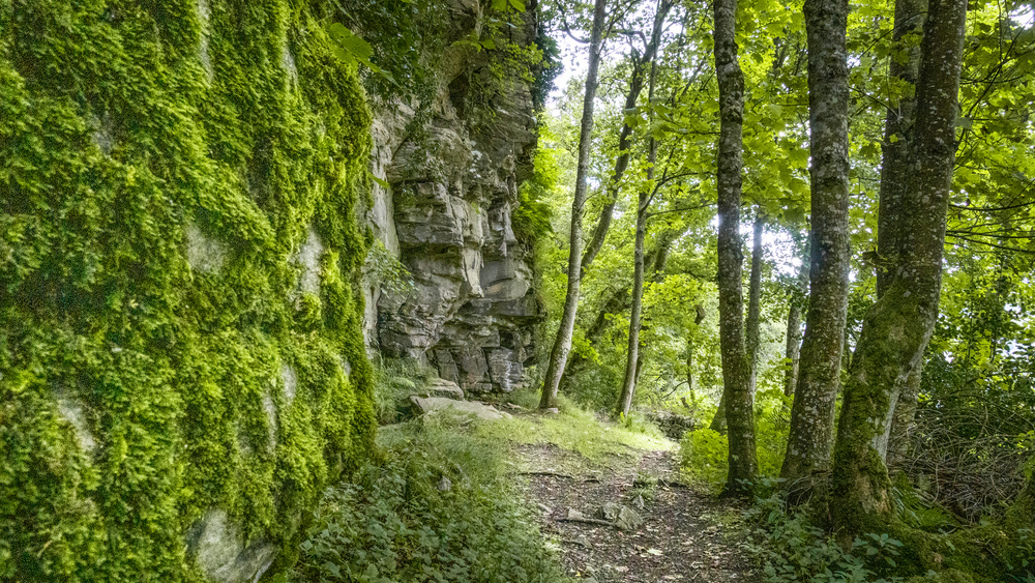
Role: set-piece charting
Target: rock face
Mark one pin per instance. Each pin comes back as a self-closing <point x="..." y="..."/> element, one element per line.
<point x="447" y="217"/>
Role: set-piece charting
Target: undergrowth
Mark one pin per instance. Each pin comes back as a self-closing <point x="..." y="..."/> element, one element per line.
<point x="704" y="452"/>
<point x="791" y="548"/>
<point x="576" y="430"/>
<point x="438" y="507"/>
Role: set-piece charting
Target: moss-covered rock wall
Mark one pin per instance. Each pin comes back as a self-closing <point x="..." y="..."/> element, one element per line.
<point x="181" y="361"/>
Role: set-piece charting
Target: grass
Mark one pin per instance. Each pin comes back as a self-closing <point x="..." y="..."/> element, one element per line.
<point x="439" y="507"/>
<point x="576" y="431"/>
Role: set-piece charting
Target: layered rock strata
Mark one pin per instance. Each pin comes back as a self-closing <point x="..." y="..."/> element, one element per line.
<point x="447" y="216"/>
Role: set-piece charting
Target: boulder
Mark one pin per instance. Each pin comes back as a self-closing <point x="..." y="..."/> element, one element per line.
<point x="430" y="405"/>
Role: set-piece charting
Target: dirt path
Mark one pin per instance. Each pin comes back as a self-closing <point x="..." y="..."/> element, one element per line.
<point x="682" y="538"/>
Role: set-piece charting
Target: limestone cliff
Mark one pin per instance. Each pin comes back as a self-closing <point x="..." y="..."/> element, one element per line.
<point x="447" y="216"/>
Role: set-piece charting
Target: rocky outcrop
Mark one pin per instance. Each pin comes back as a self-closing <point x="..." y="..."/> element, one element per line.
<point x="446" y="215"/>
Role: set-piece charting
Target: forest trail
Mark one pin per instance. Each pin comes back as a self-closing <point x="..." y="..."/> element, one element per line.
<point x="685" y="535"/>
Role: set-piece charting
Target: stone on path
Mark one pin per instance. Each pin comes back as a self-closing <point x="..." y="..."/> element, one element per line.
<point x="628" y="519"/>
<point x="479" y="410"/>
<point x="443" y="388"/>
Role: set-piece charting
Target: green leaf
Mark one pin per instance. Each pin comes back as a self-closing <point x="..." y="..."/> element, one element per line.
<point x="382" y="183"/>
<point x="518" y="5"/>
<point x="356" y="46"/>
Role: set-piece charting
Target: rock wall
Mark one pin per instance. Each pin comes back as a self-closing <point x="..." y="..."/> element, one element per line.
<point x="447" y="217"/>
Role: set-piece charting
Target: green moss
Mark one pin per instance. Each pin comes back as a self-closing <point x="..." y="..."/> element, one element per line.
<point x="138" y="392"/>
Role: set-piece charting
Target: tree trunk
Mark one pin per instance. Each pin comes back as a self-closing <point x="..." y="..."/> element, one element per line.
<point x="640" y="68"/>
<point x="633" y="355"/>
<point x="620" y="298"/>
<point x="812" y="414"/>
<point x="797" y="302"/>
<point x="562" y="344"/>
<point x="900" y="430"/>
<point x="740" y="420"/>
<point x="754" y="310"/>
<point x="900" y="323"/>
<point x="755" y="300"/>
<point x="894" y="184"/>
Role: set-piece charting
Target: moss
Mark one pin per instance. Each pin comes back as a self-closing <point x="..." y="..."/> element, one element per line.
<point x="126" y="125"/>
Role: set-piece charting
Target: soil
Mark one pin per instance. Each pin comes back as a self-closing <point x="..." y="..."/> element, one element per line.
<point x="686" y="535"/>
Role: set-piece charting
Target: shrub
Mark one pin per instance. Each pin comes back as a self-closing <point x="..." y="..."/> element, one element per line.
<point x="399" y="521"/>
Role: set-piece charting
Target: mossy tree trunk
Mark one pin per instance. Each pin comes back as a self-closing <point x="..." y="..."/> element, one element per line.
<point x="755" y="299"/>
<point x="894" y="184"/>
<point x="900" y="323"/>
<point x="753" y="320"/>
<point x="812" y="414"/>
<point x="793" y="349"/>
<point x="562" y="343"/>
<point x="739" y="412"/>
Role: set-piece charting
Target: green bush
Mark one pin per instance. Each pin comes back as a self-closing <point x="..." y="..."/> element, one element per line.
<point x="704" y="452"/>
<point x="398" y="521"/>
<point x="791" y="549"/>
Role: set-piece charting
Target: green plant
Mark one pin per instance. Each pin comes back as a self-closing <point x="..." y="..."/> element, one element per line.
<point x="791" y="549"/>
<point x="439" y="508"/>
<point x="703" y="457"/>
<point x="394" y="379"/>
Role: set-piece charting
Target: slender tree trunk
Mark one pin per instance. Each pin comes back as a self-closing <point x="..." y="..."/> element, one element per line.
<point x="900" y="430"/>
<point x="755" y="300"/>
<point x="812" y="414"/>
<point x="633" y="353"/>
<point x="641" y="65"/>
<point x="793" y="346"/>
<point x="900" y="323"/>
<point x="632" y="363"/>
<point x="562" y="344"/>
<point x="797" y="303"/>
<point x="894" y="184"/>
<point x="620" y="298"/>
<point x="740" y="421"/>
<point x="754" y="310"/>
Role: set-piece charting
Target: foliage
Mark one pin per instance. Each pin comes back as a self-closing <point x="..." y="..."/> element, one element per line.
<point x="532" y="218"/>
<point x="395" y="379"/>
<point x="703" y="452"/>
<point x="384" y="267"/>
<point x="792" y="549"/>
<point x="403" y="41"/>
<point x="396" y="523"/>
<point x="165" y="349"/>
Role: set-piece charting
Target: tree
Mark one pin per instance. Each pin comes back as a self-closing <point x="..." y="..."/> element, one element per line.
<point x="899" y="324"/>
<point x="812" y="414"/>
<point x="562" y="343"/>
<point x="752" y="343"/>
<point x="894" y="184"/>
<point x="740" y="420"/>
<point x="796" y="302"/>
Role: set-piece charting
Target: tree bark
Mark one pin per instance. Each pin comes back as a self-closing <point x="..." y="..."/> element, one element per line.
<point x="812" y="414"/>
<point x="755" y="300"/>
<point x="566" y="329"/>
<point x="740" y="420"/>
<point x="754" y="311"/>
<point x="900" y="323"/>
<point x="894" y="184"/>
<point x="793" y="351"/>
